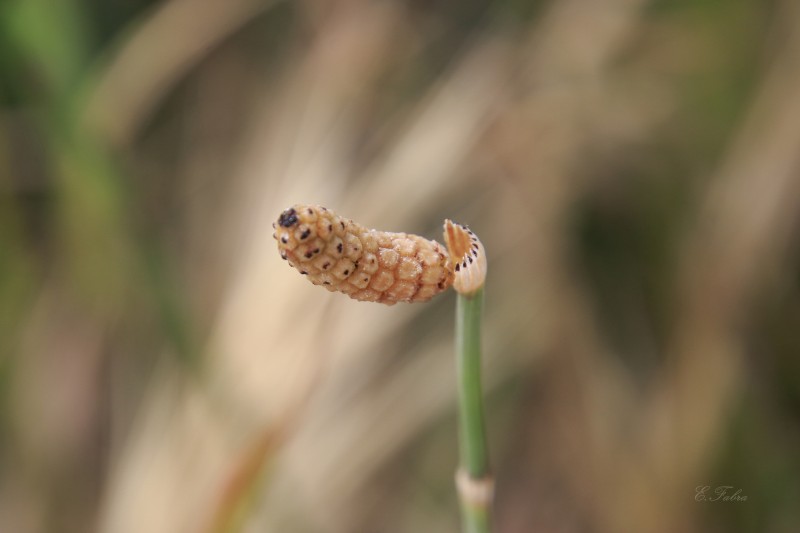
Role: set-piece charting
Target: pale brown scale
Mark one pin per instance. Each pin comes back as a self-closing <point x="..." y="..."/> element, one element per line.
<point x="377" y="266"/>
<point x="382" y="281"/>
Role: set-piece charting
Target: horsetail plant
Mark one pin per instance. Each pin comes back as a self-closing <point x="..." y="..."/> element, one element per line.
<point x="379" y="266"/>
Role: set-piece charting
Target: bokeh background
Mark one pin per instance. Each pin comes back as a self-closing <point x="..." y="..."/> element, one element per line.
<point x="632" y="166"/>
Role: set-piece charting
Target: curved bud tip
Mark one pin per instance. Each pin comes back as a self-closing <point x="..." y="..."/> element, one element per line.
<point x="467" y="257"/>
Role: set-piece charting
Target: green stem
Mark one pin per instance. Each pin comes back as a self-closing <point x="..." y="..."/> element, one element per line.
<point x="474" y="461"/>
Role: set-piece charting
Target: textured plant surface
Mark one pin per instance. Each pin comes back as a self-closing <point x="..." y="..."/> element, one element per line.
<point x="376" y="266"/>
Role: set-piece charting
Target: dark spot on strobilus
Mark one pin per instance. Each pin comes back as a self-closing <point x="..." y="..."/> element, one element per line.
<point x="288" y="218"/>
<point x="339" y="247"/>
<point x="308" y="255"/>
<point x="305" y="234"/>
<point x="458" y="267"/>
<point x="303" y="272"/>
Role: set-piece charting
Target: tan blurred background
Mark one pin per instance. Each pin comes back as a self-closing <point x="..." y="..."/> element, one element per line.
<point x="632" y="166"/>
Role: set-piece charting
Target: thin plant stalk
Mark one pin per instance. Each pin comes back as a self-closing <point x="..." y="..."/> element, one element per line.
<point x="473" y="478"/>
